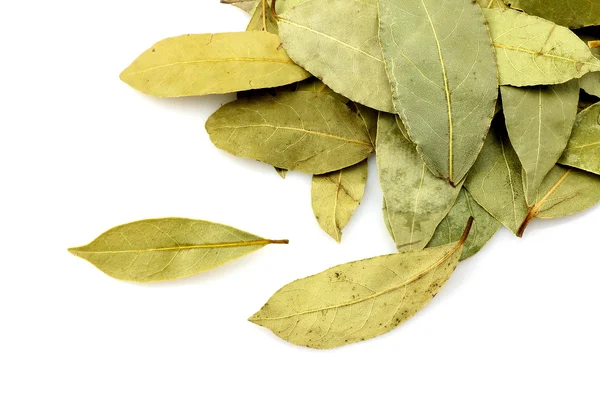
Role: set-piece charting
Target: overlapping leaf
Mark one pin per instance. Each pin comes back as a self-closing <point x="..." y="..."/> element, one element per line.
<point x="583" y="149"/>
<point x="571" y="13"/>
<point x="590" y="82"/>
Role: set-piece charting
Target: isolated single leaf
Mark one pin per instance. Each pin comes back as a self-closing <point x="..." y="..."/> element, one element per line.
<point x="246" y="5"/>
<point x="359" y="300"/>
<point x="492" y="4"/>
<point x="303" y="131"/>
<point x="532" y="51"/>
<point x="337" y="42"/>
<point x="336" y="195"/>
<point x="570" y="13"/>
<point x="194" y="65"/>
<point x="451" y="228"/>
<point x="416" y="200"/>
<point x="168" y="248"/>
<point x="564" y="192"/>
<point x="583" y="149"/>
<point x="440" y="60"/>
<point x="496" y="182"/>
<point x="263" y="17"/>
<point x="539" y="120"/>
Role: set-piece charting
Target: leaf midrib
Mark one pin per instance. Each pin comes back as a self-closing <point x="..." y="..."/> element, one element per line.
<point x="216" y="60"/>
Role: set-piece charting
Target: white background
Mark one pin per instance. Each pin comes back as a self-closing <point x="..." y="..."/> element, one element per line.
<point x="81" y="152"/>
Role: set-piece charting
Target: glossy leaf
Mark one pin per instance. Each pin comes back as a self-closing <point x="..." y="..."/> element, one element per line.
<point x="416" y="200"/>
<point x="194" y="65"/>
<point x="532" y="51"/>
<point x="440" y="60"/>
<point x="338" y="44"/>
<point x="539" y="121"/>
<point x="564" y="192"/>
<point x="583" y="149"/>
<point x="570" y="13"/>
<point x="359" y="300"/>
<point x="336" y="195"/>
<point x="451" y="228"/>
<point x="496" y="182"/>
<point x="302" y="131"/>
<point x="168" y="248"/>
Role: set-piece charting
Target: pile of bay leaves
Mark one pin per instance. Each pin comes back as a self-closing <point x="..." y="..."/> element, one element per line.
<point x="480" y="114"/>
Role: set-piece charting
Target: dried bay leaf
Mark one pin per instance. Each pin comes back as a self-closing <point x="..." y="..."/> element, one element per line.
<point x="532" y="51"/>
<point x="194" y="65"/>
<point x="496" y="182"/>
<point x="442" y="69"/>
<point x="539" y="121"/>
<point x="570" y="13"/>
<point x="583" y="149"/>
<point x="492" y="4"/>
<point x="451" y="228"/>
<point x="167" y="248"/>
<point x="564" y="192"/>
<point x="336" y="195"/>
<point x="263" y="17"/>
<point x="359" y="300"/>
<point x="369" y="117"/>
<point x="416" y="201"/>
<point x="316" y="86"/>
<point x="337" y="42"/>
<point x="246" y="5"/>
<point x="590" y="82"/>
<point x="302" y="131"/>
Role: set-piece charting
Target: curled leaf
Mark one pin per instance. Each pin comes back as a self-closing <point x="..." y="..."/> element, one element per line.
<point x="583" y="149"/>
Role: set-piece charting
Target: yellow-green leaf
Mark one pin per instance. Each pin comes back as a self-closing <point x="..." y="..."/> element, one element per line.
<point x="590" y="82"/>
<point x="262" y="17"/>
<point x="168" y="248"/>
<point x="583" y="149"/>
<point x="302" y="131"/>
<point x="194" y="65"/>
<point x="570" y="13"/>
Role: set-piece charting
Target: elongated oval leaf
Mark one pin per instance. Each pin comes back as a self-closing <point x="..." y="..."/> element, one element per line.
<point x="496" y="182"/>
<point x="583" y="149"/>
<point x="336" y="195"/>
<point x="451" y="228"/>
<point x="337" y="42"/>
<point x="303" y="131"/>
<point x="168" y="248"/>
<point x="416" y="201"/>
<point x="532" y="51"/>
<point x="194" y="65"/>
<point x="440" y="60"/>
<point x="359" y="300"/>
<point x="564" y="192"/>
<point x="539" y="121"/>
<point x="571" y="13"/>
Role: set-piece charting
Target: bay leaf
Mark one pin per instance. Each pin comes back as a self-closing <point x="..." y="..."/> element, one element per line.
<point x="564" y="192"/>
<point x="440" y="60"/>
<point x="302" y="131"/>
<point x="539" y="120"/>
<point x="337" y="42"/>
<point x="369" y="118"/>
<point x="314" y="85"/>
<point x="533" y="51"/>
<point x="336" y="195"/>
<point x="168" y="248"/>
<point x="590" y="82"/>
<point x="262" y="17"/>
<point x="492" y="4"/>
<point x="402" y="128"/>
<point x="570" y="13"/>
<point x="194" y="65"/>
<point x="451" y="228"/>
<point x="416" y="200"/>
<point x="496" y="182"/>
<point x="583" y="149"/>
<point x="359" y="300"/>
<point x="282" y="172"/>
<point x="246" y="5"/>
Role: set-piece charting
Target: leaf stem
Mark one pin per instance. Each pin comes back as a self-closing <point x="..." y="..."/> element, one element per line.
<point x="594" y="44"/>
<point x="264" y="14"/>
<point x="273" y="10"/>
<point x="467" y="231"/>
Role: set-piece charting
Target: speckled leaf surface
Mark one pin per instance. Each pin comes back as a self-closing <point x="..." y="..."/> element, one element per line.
<point x="570" y="13"/>
<point x="539" y="120"/>
<point x="583" y="149"/>
<point x="532" y="51"/>
<point x="339" y="45"/>
<point x="194" y="65"/>
<point x="442" y="69"/>
<point x="496" y="182"/>
<point x="416" y="200"/>
<point x="168" y="248"/>
<point x="303" y="131"/>
<point x="336" y="195"/>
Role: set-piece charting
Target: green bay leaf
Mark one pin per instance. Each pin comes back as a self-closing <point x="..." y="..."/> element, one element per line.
<point x="569" y="13"/>
<point x="359" y="300"/>
<point x="194" y="65"/>
<point x="168" y="248"/>
<point x="583" y="149"/>
<point x="440" y="60"/>
<point x="539" y="120"/>
<point x="416" y="201"/>
<point x="337" y="42"/>
<point x="302" y="131"/>
<point x="533" y="51"/>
